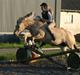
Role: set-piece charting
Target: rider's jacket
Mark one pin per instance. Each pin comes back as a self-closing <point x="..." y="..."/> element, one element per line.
<point x="47" y="15"/>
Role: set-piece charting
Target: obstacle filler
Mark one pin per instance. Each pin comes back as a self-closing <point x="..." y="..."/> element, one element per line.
<point x="26" y="54"/>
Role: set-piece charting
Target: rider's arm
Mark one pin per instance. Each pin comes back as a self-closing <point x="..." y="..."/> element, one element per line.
<point x="50" y="17"/>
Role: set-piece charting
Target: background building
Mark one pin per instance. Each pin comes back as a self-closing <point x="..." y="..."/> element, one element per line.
<point x="70" y="15"/>
<point x="11" y="10"/>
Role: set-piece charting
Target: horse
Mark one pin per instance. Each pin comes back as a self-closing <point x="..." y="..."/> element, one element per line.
<point x="40" y="32"/>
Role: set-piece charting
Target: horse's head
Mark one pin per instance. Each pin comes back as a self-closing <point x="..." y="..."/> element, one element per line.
<point x="23" y="23"/>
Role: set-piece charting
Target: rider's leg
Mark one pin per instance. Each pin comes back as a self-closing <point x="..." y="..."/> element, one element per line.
<point x="51" y="26"/>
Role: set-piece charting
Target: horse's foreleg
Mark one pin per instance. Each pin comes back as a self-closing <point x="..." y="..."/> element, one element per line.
<point x="26" y="35"/>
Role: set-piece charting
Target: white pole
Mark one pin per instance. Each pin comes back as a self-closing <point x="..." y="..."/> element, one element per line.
<point x="57" y="12"/>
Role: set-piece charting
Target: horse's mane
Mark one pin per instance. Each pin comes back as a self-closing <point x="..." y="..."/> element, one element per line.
<point x="29" y="14"/>
<point x="20" y="19"/>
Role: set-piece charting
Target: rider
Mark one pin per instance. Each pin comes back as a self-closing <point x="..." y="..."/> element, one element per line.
<point x="47" y="15"/>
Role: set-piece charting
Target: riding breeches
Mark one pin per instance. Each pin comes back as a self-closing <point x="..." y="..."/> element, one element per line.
<point x="51" y="25"/>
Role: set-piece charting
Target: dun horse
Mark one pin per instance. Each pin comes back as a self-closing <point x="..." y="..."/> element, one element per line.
<point x="40" y="31"/>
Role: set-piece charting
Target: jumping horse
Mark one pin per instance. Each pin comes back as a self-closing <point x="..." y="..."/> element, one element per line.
<point x="40" y="31"/>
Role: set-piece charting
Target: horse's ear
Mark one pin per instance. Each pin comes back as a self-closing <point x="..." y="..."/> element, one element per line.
<point x="32" y="16"/>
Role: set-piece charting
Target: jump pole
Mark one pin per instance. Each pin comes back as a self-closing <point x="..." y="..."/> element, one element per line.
<point x="57" y="54"/>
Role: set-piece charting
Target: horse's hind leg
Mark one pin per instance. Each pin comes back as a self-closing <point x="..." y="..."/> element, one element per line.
<point x="75" y="46"/>
<point x="64" y="57"/>
<point x="72" y="46"/>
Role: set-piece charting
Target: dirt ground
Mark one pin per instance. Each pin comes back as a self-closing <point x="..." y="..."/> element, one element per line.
<point x="40" y="68"/>
<point x="35" y="69"/>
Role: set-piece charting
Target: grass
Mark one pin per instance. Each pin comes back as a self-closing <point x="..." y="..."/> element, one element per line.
<point x="12" y="55"/>
<point x="7" y="56"/>
<point x="4" y="55"/>
<point x="11" y="45"/>
<point x="17" y="45"/>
